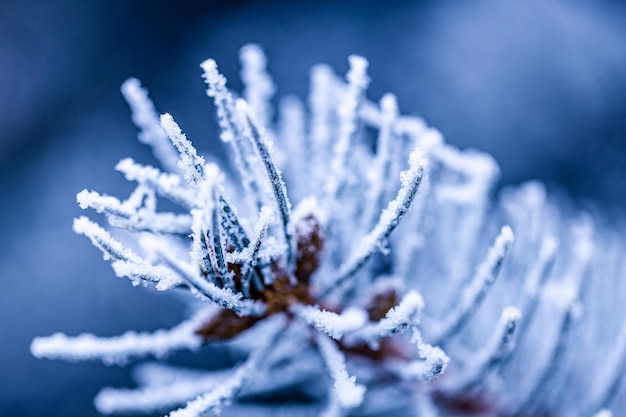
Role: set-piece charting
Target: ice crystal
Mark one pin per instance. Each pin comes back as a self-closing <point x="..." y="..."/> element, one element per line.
<point x="378" y="262"/>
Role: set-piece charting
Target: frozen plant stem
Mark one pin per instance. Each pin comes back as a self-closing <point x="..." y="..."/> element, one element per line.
<point x="389" y="219"/>
<point x="350" y="297"/>
<point x="276" y="182"/>
<point x="477" y="288"/>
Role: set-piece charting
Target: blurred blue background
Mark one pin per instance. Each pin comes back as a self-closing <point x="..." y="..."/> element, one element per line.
<point x="540" y="84"/>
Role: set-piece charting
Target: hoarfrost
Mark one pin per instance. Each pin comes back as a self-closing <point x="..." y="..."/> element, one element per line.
<point x="372" y="273"/>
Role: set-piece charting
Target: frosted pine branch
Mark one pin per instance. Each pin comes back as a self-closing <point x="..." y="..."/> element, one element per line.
<point x="529" y="400"/>
<point x="347" y="115"/>
<point x="334" y="325"/>
<point x="371" y="291"/>
<point x="274" y="177"/>
<point x="430" y="367"/>
<point x="119" y="350"/>
<point x="155" y="398"/>
<point x="387" y="149"/>
<point x="477" y="288"/>
<point x="321" y="102"/>
<point x="131" y="216"/>
<point x="125" y="262"/>
<point x="249" y="255"/>
<point x="479" y="169"/>
<point x="493" y="354"/>
<point x="213" y="235"/>
<point x="349" y="394"/>
<point x="397" y="320"/>
<point x="168" y="387"/>
<point x="225" y="298"/>
<point x="146" y="119"/>
<point x="297" y="145"/>
<point x="219" y="396"/>
<point x="157" y="223"/>
<point x="536" y="279"/>
<point x="232" y="128"/>
<point x="212" y="402"/>
<point x="388" y="221"/>
<point x="190" y="163"/>
<point x="166" y="185"/>
<point x="163" y="277"/>
<point x="102" y="204"/>
<point x="231" y="224"/>
<point x="259" y="86"/>
<point x="111" y="248"/>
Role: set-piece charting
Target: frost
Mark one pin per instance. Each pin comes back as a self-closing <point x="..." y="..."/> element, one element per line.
<point x="274" y="178"/>
<point x="296" y="147"/>
<point x="493" y="354"/>
<point x="224" y="297"/>
<point x="479" y="169"/>
<point x="118" y="350"/>
<point x="397" y="320"/>
<point x="146" y="119"/>
<point x="135" y="214"/>
<point x="477" y="288"/>
<point x="190" y="163"/>
<point x="349" y="394"/>
<point x="164" y="184"/>
<point x="259" y="88"/>
<point x="387" y="147"/>
<point x="334" y="325"/>
<point x="159" y="397"/>
<point x="233" y="129"/>
<point x="212" y="402"/>
<point x="382" y="273"/>
<point x="389" y="219"/>
<point x="432" y="365"/>
<point x="164" y="277"/>
<point x="321" y="103"/>
<point x="347" y="115"/>
<point x="111" y="248"/>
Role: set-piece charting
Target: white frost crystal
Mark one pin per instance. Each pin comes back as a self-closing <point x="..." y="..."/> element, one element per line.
<point x="394" y="266"/>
